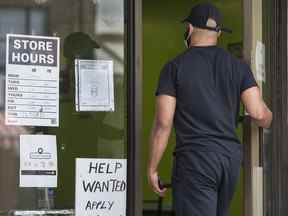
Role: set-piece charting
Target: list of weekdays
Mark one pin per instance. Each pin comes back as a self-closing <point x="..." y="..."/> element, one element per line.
<point x="32" y="80"/>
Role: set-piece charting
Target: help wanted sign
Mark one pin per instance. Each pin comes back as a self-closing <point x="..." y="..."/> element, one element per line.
<point x="100" y="187"/>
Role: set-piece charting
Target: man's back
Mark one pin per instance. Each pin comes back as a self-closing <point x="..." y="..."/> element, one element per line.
<point x="207" y="82"/>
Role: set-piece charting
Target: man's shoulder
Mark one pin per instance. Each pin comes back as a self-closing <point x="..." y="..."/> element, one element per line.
<point x="191" y="54"/>
<point x="181" y="57"/>
<point x="226" y="54"/>
<point x="233" y="57"/>
<point x="195" y="52"/>
<point x="186" y="57"/>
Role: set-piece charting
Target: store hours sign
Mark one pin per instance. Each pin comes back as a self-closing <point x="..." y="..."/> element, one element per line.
<point x="32" y="80"/>
<point x="100" y="187"/>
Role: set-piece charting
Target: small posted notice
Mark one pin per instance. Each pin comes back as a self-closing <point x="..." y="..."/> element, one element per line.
<point x="32" y="80"/>
<point x="260" y="62"/>
<point x="38" y="161"/>
<point x="100" y="187"/>
<point x="94" y="85"/>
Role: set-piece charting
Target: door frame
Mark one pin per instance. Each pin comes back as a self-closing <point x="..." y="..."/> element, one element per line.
<point x="275" y="143"/>
<point x="268" y="148"/>
<point x="133" y="20"/>
<point x="252" y="134"/>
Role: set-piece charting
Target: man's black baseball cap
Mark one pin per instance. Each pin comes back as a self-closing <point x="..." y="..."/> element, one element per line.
<point x="200" y="14"/>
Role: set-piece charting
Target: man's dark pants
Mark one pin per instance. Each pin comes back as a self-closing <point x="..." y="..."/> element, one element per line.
<point x="204" y="182"/>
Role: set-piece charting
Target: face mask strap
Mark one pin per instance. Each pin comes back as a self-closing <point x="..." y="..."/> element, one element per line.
<point x="187" y="38"/>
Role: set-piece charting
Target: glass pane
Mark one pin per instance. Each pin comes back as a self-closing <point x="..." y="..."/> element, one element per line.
<point x="88" y="29"/>
<point x="2" y="56"/>
<point x="37" y="19"/>
<point x="12" y="20"/>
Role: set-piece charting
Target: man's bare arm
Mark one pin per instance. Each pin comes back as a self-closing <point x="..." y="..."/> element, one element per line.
<point x="163" y="122"/>
<point x="256" y="107"/>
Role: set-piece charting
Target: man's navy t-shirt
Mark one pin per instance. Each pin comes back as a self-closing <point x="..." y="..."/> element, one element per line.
<point x="207" y="83"/>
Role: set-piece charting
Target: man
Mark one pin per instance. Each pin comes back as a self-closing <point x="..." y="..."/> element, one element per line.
<point x="200" y="91"/>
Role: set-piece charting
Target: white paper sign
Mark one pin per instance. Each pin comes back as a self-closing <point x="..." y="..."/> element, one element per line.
<point x="94" y="85"/>
<point x="100" y="187"/>
<point x="260" y="62"/>
<point x="32" y="80"/>
<point x="38" y="161"/>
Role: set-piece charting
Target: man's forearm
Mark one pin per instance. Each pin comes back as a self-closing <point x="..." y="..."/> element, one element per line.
<point x="158" y="142"/>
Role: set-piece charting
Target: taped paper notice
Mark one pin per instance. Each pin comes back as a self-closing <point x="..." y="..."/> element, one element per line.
<point x="100" y="187"/>
<point x="38" y="161"/>
<point x="32" y="80"/>
<point x="94" y="85"/>
<point x="260" y="62"/>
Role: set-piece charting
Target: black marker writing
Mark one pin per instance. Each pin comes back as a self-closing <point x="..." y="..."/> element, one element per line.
<point x="99" y="205"/>
<point x="112" y="185"/>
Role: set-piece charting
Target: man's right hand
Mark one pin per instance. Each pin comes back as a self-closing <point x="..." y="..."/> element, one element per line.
<point x="153" y="179"/>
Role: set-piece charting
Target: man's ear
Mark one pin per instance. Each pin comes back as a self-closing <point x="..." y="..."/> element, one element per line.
<point x="190" y="28"/>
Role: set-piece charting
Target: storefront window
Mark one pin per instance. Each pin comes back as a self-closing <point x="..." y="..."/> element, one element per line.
<point x="89" y="30"/>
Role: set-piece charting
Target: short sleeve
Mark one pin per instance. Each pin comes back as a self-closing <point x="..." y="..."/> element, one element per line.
<point x="247" y="79"/>
<point x="167" y="81"/>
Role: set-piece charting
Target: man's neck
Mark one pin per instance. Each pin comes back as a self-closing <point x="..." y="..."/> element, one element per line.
<point x="203" y="42"/>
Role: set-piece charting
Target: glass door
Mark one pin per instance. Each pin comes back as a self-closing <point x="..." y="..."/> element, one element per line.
<point x="88" y="30"/>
